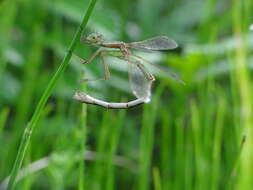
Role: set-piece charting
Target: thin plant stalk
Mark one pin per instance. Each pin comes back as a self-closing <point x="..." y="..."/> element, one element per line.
<point x="31" y="125"/>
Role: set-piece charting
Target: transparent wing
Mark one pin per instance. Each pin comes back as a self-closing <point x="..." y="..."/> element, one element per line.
<point x="139" y="82"/>
<point x="156" y="43"/>
<point x="162" y="70"/>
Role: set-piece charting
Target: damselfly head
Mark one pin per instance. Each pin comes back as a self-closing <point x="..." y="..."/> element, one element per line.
<point x="94" y="38"/>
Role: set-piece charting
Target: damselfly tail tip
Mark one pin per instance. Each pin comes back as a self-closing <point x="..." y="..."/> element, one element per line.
<point x="251" y="27"/>
<point x="176" y="44"/>
<point x="147" y="100"/>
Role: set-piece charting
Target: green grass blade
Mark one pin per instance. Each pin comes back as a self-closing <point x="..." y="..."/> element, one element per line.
<point x="28" y="131"/>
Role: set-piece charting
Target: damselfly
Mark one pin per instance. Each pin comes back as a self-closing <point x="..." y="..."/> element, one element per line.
<point x="140" y="78"/>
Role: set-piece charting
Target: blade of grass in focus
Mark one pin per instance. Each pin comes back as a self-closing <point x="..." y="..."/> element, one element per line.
<point x="28" y="131"/>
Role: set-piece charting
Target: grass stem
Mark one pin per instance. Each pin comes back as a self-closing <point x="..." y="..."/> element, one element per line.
<point x="31" y="125"/>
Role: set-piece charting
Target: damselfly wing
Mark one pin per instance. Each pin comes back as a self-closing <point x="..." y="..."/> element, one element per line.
<point x="155" y="44"/>
<point x="140" y="80"/>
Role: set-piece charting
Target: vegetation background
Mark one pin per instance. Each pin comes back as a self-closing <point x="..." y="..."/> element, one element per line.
<point x="197" y="136"/>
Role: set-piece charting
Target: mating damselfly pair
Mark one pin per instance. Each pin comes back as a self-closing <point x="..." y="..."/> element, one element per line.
<point x="139" y="77"/>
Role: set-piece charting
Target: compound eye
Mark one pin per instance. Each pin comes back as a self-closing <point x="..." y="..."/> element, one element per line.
<point x="93" y="38"/>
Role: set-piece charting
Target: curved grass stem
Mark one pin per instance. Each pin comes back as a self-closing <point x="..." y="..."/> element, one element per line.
<point x="31" y="125"/>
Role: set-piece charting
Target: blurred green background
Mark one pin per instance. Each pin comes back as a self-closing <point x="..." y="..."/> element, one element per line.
<point x="188" y="137"/>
